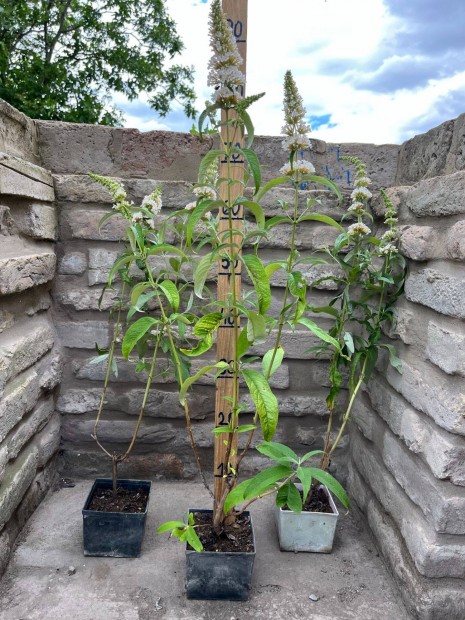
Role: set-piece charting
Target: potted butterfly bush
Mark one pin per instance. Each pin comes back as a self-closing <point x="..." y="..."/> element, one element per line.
<point x="220" y="542"/>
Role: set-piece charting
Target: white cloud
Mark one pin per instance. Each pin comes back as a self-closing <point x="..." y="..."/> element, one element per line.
<point x="329" y="46"/>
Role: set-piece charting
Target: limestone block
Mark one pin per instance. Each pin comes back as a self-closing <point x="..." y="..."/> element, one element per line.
<point x="84" y="224"/>
<point x="3" y="460"/>
<point x="434" y="555"/>
<point x="5" y="550"/>
<point x="48" y="440"/>
<point x="78" y="400"/>
<point x="44" y="480"/>
<point x="395" y="194"/>
<point x="21" y="178"/>
<point x="443" y="452"/>
<point x="327" y="201"/>
<point x="83" y="335"/>
<point x="292" y="404"/>
<point x="428" y="390"/>
<point x="83" y="369"/>
<point x="72" y="263"/>
<point x="321" y="277"/>
<point x="438" y="197"/>
<point x="279" y="380"/>
<point x="175" y="194"/>
<point x="439" y="286"/>
<point x="21" y="346"/>
<point x="18" y="134"/>
<point x="456" y="156"/>
<point x="78" y="431"/>
<point x="296" y="344"/>
<point x="425" y="156"/>
<point x="86" y="299"/>
<point x="406" y="325"/>
<point x="37" y="220"/>
<point x="50" y="370"/>
<point x="25" y="271"/>
<point x="7" y="320"/>
<point x="29" y="426"/>
<point x="418" y="242"/>
<point x="19" y="397"/>
<point x="455" y="241"/>
<point x="75" y="148"/>
<point x="446" y="348"/>
<point x="18" y="476"/>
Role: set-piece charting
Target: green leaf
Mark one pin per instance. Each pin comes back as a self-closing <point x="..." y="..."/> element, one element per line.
<point x="193" y="539"/>
<point x="313" y="178"/>
<point x="256" y="328"/>
<point x="308" y="455"/>
<point x="245" y="428"/>
<point x="202" y="347"/>
<point x="278" y="452"/>
<point x="207" y="324"/>
<point x="265" y="401"/>
<point x="305" y="477"/>
<point x="395" y="361"/>
<point x="143" y="299"/>
<point x="123" y="260"/>
<point x="135" y="332"/>
<point x="262" y="482"/>
<point x="170" y="525"/>
<point x="313" y="327"/>
<point x="349" y="342"/>
<point x="276" y="221"/>
<point x="316" y="217"/>
<point x="277" y="361"/>
<point x="254" y="167"/>
<point x="243" y="343"/>
<point x="207" y="160"/>
<point x="326" y="309"/>
<point x="332" y="484"/>
<point x="137" y="291"/>
<point x="270" y="268"/>
<point x="256" y="211"/>
<point x="260" y="280"/>
<point x="201" y="274"/>
<point x="165" y="247"/>
<point x="273" y="183"/>
<point x="245" y="118"/>
<point x="281" y="495"/>
<point x="294" y="499"/>
<point x="190" y="380"/>
<point x="171" y="293"/>
<point x="203" y="207"/>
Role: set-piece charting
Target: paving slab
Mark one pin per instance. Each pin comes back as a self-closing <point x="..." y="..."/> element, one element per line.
<point x="350" y="583"/>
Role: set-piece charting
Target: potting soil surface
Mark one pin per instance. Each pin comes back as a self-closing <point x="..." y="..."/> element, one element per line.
<point x="49" y="578"/>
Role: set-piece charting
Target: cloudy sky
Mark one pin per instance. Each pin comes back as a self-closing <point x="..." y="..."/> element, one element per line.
<point x="368" y="70"/>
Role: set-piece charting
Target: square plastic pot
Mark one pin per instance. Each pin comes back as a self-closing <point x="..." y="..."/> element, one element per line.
<point x="114" y="534"/>
<point x="307" y="531"/>
<point x="220" y="575"/>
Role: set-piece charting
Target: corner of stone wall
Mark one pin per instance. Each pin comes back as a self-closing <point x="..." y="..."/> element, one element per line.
<point x="408" y="444"/>
<point x="30" y="362"/>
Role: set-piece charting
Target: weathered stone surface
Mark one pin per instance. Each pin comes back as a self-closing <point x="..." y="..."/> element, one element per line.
<point x="327" y="201"/>
<point x="438" y="197"/>
<point x="50" y="370"/>
<point x="429" y="391"/>
<point x="78" y="400"/>
<point x="24" y="271"/>
<point x="18" y="477"/>
<point x="443" y="452"/>
<point x="83" y="369"/>
<point x="18" y="134"/>
<point x="19" y="397"/>
<point x="455" y="241"/>
<point x="21" y="346"/>
<point x="84" y="224"/>
<point x="3" y="462"/>
<point x="72" y="263"/>
<point x="456" y="156"/>
<point x="48" y="440"/>
<point x="7" y="320"/>
<point x="83" y="335"/>
<point x="72" y="147"/>
<point x="321" y="277"/>
<point x="440" y="286"/>
<point x="79" y="431"/>
<point x="29" y="426"/>
<point x="38" y="220"/>
<point x="86" y="299"/>
<point x="43" y="481"/>
<point x="5" y="551"/>
<point x="434" y="555"/>
<point x="21" y="178"/>
<point x="425" y="156"/>
<point x="418" y="242"/>
<point x="446" y="348"/>
<point x="427" y="599"/>
<point x="295" y="405"/>
<point x="296" y="344"/>
<point x="406" y="325"/>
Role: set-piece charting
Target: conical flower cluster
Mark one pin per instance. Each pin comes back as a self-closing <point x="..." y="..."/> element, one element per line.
<point x="296" y="128"/>
<point x="224" y="73"/>
<point x="360" y="196"/>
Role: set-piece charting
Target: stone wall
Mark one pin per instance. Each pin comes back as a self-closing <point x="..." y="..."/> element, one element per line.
<point x="408" y="446"/>
<point x="85" y="255"/>
<point x="29" y="356"/>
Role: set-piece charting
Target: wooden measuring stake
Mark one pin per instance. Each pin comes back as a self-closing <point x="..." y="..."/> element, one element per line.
<point x="229" y="275"/>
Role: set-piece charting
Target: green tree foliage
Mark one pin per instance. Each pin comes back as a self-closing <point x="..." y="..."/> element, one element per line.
<point x="60" y="59"/>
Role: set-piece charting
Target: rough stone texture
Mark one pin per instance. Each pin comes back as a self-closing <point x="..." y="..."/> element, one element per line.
<point x="18" y="134"/>
<point x="418" y="242"/>
<point x="446" y="348"/>
<point x="30" y="426"/>
<point x="455" y="242"/>
<point x="21" y="178"/>
<point x="18" y="477"/>
<point x="72" y="263"/>
<point x="22" y="272"/>
<point x="18" y="398"/>
<point x="438" y="197"/>
<point x="440" y="286"/>
<point x="83" y="335"/>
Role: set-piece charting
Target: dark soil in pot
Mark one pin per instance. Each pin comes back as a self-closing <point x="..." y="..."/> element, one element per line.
<point x="126" y="500"/>
<point x="236" y="536"/>
<point x="317" y="501"/>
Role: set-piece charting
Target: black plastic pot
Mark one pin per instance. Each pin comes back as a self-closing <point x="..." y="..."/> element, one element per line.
<point x="114" y="534"/>
<point x="219" y="575"/>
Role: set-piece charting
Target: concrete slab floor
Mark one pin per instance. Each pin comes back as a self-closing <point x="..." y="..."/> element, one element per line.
<point x="351" y="582"/>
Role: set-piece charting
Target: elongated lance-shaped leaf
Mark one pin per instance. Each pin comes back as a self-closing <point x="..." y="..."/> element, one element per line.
<point x="207" y="324"/>
<point x="265" y="401"/>
<point x="254" y="167"/>
<point x="135" y="332"/>
<point x="249" y="128"/>
<point x="276" y="221"/>
<point x="270" y="268"/>
<point x="273" y="183"/>
<point x="137" y="291"/>
<point x="170" y="290"/>
<point x="202" y="346"/>
<point x="207" y="161"/>
<point x="197" y="214"/>
<point x="260" y="280"/>
<point x="201" y="273"/>
<point x="294" y="499"/>
<point x="316" y="217"/>
<point x="278" y="452"/>
<point x="170" y="525"/>
<point x="117" y="265"/>
<point x="243" y="343"/>
<point x="206" y="114"/>
<point x="333" y="485"/>
<point x="305" y="477"/>
<point x="165" y="247"/>
<point x="313" y="327"/>
<point x="313" y="178"/>
<point x="256" y="327"/>
<point x="262" y="482"/>
<point x="256" y="211"/>
<point x="140" y="303"/>
<point x="272" y="361"/>
<point x="189" y="381"/>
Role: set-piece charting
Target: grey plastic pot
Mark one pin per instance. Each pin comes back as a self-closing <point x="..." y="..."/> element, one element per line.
<point x="220" y="575"/>
<point x="114" y="534"/>
<point x="307" y="531"/>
